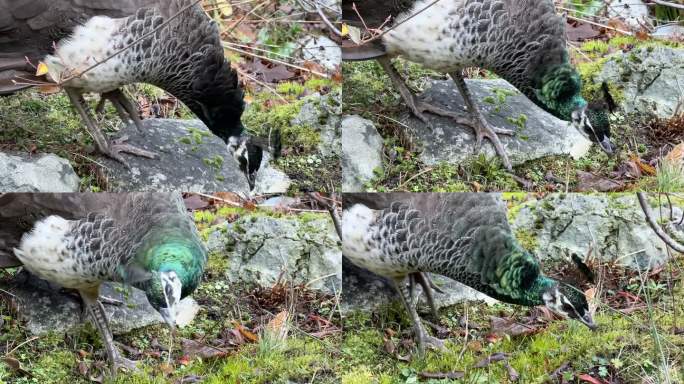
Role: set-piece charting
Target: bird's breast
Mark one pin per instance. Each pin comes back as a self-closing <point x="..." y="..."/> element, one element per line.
<point x="363" y="243"/>
<point x="91" y="43"/>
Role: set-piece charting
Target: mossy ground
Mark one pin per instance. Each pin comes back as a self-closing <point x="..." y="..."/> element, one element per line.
<point x="368" y="92"/>
<point x="623" y="349"/>
<point x="302" y="357"/>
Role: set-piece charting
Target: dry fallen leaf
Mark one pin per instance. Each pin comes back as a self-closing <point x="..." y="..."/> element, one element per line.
<point x="41" y="69"/>
<point x="247" y="334"/>
<point x="278" y="327"/>
<point x="586" y="377"/>
<point x="510" y="327"/>
<point x="442" y="375"/>
<point x="355" y="34"/>
<point x="192" y="349"/>
<point x="345" y="29"/>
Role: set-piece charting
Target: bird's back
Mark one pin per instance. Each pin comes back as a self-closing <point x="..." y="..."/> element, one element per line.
<point x="465" y="236"/>
<point x="516" y="39"/>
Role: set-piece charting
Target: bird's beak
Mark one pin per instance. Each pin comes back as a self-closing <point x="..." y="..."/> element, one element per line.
<point x="608" y="146"/>
<point x="169" y="316"/>
<point x="588" y="320"/>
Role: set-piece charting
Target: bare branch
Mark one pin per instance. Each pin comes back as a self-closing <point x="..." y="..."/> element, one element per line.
<point x="654" y="225"/>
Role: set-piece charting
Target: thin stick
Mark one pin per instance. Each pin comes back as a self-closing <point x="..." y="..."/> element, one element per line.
<point x="263" y="84"/>
<point x="219" y="199"/>
<point x="654" y="225"/>
<point x="227" y="46"/>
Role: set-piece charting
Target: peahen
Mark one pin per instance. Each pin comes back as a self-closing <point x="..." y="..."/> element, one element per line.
<point x="185" y="58"/>
<point x="464" y="236"/>
<point x="79" y="241"/>
<point x="522" y="41"/>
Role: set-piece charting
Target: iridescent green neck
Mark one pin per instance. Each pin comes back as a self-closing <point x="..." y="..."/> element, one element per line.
<point x="559" y="92"/>
<point x="533" y="296"/>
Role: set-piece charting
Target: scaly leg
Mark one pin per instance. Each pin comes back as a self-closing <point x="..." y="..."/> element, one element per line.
<point x="96" y="309"/>
<point x="422" y="338"/>
<point x="479" y="123"/>
<point x="112" y="150"/>
<point x="427" y="285"/>
<point x="124" y="108"/>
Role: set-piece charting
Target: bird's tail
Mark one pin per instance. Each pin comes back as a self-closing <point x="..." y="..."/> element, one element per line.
<point x="9" y="261"/>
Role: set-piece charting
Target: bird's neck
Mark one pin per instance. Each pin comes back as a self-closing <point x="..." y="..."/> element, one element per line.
<point x="559" y="91"/>
<point x="533" y="296"/>
<point x="175" y="252"/>
<point x="220" y="109"/>
<point x="491" y="261"/>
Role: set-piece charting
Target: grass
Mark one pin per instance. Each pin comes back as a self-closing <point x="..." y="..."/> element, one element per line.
<point x="301" y="357"/>
<point x="639" y="347"/>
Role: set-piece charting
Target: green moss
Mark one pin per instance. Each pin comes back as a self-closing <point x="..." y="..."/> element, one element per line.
<point x="595" y="48"/>
<point x="526" y="239"/>
<point x="620" y="346"/>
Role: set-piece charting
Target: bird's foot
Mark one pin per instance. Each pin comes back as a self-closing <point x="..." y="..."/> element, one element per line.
<point x="122" y="364"/>
<point x="434" y="343"/>
<point x="118" y="146"/>
<point x="426" y="341"/>
<point x="484" y="130"/>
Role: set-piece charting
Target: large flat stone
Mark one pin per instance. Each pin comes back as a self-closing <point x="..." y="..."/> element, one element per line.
<point x="543" y="134"/>
<point x="184" y="163"/>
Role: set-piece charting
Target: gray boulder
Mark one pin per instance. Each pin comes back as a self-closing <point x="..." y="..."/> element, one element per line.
<point x="322" y="113"/>
<point x="361" y="152"/>
<point x="542" y="134"/>
<point x="650" y="79"/>
<point x="560" y="225"/>
<point x="41" y="173"/>
<point x="190" y="159"/>
<point x="45" y="308"/>
<point x="321" y="50"/>
<point x="262" y="249"/>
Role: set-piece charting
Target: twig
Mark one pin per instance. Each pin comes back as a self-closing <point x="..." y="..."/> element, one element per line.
<point x="245" y="16"/>
<point x="25" y="342"/>
<point x="654" y="225"/>
<point x="668" y="4"/>
<point x="234" y="204"/>
<point x="275" y="60"/>
<point x="325" y="19"/>
<point x="331" y="209"/>
<point x="426" y="170"/>
<point x="263" y="84"/>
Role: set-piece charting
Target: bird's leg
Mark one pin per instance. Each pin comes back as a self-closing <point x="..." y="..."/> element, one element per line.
<point x="125" y="108"/>
<point x="96" y="309"/>
<point x="427" y="286"/>
<point x="112" y="150"/>
<point x="422" y="338"/>
<point x="479" y="124"/>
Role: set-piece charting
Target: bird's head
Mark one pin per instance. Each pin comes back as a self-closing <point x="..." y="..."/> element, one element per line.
<point x="248" y="155"/>
<point x="560" y="94"/>
<point x="568" y="302"/>
<point x="593" y="124"/>
<point x="164" y="292"/>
